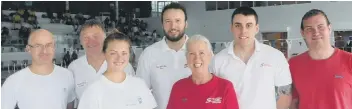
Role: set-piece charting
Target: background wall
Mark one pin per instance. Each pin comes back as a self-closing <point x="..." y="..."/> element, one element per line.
<point x="216" y="24"/>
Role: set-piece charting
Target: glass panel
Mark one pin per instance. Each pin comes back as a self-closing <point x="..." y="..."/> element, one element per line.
<point x="300" y="2"/>
<point x="222" y="5"/>
<point x="260" y="3"/>
<point x="288" y="2"/>
<point x="235" y="4"/>
<point x="247" y="3"/>
<point x="274" y="3"/>
<point x="210" y="5"/>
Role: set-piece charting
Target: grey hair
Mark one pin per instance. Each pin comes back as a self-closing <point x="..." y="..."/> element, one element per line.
<point x="199" y="37"/>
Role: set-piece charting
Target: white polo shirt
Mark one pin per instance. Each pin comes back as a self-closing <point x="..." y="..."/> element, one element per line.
<point x="32" y="91"/>
<point x="255" y="81"/>
<point x="161" y="67"/>
<point x="85" y="74"/>
<point x="132" y="93"/>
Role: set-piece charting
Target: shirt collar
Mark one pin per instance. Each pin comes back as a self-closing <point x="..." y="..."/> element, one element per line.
<point x="257" y="47"/>
<point x="165" y="47"/>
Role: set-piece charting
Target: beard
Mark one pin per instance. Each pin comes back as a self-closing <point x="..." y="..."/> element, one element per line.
<point x="175" y="38"/>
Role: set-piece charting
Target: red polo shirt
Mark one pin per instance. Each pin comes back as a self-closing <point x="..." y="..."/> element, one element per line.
<point x="218" y="93"/>
<point x="323" y="84"/>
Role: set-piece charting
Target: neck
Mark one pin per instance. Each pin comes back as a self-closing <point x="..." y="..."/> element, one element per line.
<point x="321" y="53"/>
<point x="201" y="78"/>
<point x="176" y="45"/>
<point x="95" y="58"/>
<point x="45" y="69"/>
<point x="115" y="76"/>
<point x="244" y="51"/>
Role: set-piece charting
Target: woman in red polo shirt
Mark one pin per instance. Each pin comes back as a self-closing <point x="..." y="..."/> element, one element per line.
<point x="201" y="90"/>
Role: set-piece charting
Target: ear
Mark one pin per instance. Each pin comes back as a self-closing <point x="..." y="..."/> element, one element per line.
<point x="186" y="26"/>
<point x="28" y="49"/>
<point x="329" y="27"/>
<point x="257" y="28"/>
<point x="231" y="28"/>
<point x="302" y="34"/>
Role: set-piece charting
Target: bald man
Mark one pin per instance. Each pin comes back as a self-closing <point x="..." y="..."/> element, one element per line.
<point x="42" y="85"/>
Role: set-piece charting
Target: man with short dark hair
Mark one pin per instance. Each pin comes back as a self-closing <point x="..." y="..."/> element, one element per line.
<point x="322" y="76"/>
<point x="164" y="62"/>
<point x="257" y="71"/>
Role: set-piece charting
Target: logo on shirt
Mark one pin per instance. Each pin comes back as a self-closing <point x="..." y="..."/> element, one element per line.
<point x="82" y="84"/>
<point x="184" y="99"/>
<point x="265" y="65"/>
<point x="161" y="66"/>
<point x="338" y="76"/>
<point x="140" y="101"/>
<point x="216" y="100"/>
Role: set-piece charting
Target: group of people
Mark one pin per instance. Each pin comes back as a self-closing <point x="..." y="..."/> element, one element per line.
<point x="181" y="72"/>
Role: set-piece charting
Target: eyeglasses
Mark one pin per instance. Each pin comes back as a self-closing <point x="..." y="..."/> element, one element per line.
<point x="40" y="46"/>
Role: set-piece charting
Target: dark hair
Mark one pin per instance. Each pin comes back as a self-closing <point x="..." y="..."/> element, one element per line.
<point x="116" y="35"/>
<point x="311" y="13"/>
<point x="92" y="23"/>
<point x="246" y="11"/>
<point x="173" y="5"/>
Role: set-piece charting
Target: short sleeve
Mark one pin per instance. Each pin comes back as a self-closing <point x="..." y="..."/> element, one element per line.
<point x="282" y="75"/>
<point x="71" y="85"/>
<point x="8" y="93"/>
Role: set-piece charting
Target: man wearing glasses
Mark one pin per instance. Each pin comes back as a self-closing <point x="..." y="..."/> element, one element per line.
<point x="42" y="85"/>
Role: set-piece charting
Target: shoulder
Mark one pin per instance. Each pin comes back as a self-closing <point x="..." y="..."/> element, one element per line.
<point x="17" y="76"/>
<point x="152" y="48"/>
<point x="77" y="62"/>
<point x="180" y="84"/>
<point x="297" y="59"/>
<point x="271" y="51"/>
<point x="346" y="58"/>
<point x="223" y="82"/>
<point x="63" y="71"/>
<point x="222" y="55"/>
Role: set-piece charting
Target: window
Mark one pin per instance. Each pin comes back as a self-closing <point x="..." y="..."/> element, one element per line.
<point x="288" y="2"/>
<point x="260" y="3"/>
<point x="222" y="5"/>
<point x="210" y="5"/>
<point x="274" y="3"/>
<point x="276" y="40"/>
<point x="157" y="7"/>
<point x="234" y="4"/>
<point x="343" y="40"/>
<point x="247" y="3"/>
<point x="300" y="2"/>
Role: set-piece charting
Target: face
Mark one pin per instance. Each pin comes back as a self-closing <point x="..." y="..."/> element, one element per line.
<point x="316" y="32"/>
<point x="244" y="28"/>
<point x="41" y="47"/>
<point x="174" y="24"/>
<point x="198" y="56"/>
<point x="92" y="39"/>
<point x="117" y="55"/>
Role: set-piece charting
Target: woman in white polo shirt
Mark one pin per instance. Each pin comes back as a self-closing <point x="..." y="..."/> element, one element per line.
<point x="115" y="89"/>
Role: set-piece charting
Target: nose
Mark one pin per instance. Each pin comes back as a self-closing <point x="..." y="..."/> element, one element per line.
<point x="197" y="58"/>
<point x="315" y="32"/>
<point x="173" y="25"/>
<point x="244" y="30"/>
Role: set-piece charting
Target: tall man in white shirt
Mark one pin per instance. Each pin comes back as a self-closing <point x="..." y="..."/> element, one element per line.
<point x="164" y="62"/>
<point x="255" y="69"/>
<point x="89" y="67"/>
<point x="42" y="85"/>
